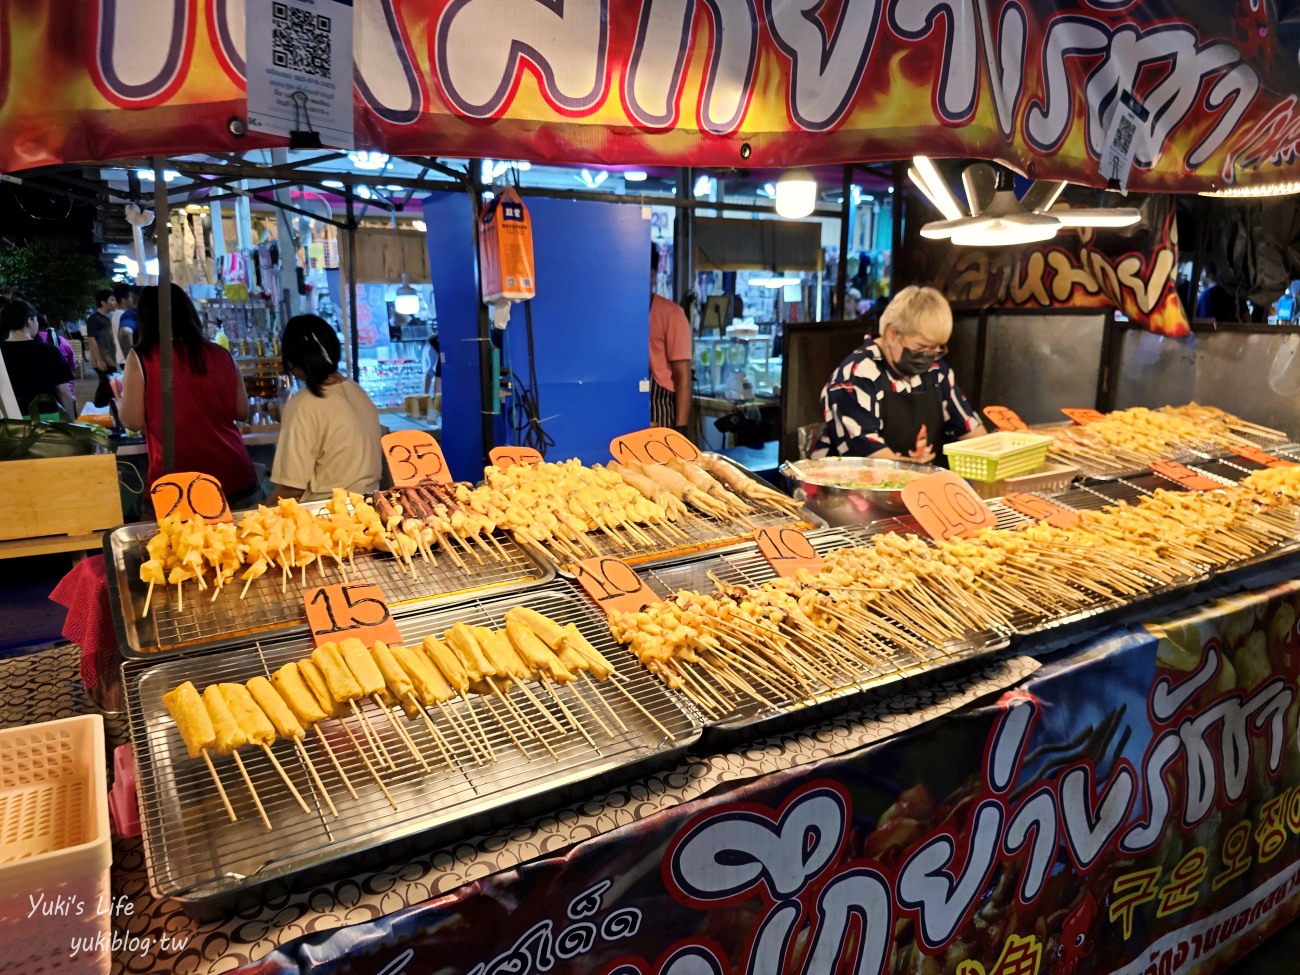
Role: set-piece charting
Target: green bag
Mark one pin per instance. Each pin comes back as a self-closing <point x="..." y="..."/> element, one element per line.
<point x="31" y="438"/>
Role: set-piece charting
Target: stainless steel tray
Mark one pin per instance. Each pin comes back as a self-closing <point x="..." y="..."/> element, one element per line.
<point x="195" y="854"/>
<point x="705" y="535"/>
<point x="751" y="719"/>
<point x="228" y="620"/>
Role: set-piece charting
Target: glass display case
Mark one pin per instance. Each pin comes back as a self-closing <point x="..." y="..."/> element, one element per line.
<point x="737" y="367"/>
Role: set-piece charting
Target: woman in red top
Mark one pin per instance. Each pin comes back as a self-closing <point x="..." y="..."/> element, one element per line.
<point x="209" y="399"/>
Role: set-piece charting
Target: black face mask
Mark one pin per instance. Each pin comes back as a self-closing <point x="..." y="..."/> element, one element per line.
<point x="913" y="363"/>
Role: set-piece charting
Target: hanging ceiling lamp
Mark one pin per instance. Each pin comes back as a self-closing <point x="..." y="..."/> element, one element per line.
<point x="796" y="194"/>
<point x="996" y="217"/>
<point x="406" y="300"/>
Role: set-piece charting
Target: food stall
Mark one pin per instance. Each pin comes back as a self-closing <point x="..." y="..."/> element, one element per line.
<point x="872" y="765"/>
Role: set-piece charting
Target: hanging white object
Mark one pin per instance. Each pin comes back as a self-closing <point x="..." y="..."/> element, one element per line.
<point x="796" y="194"/>
<point x="501" y="313"/>
<point x="406" y="300"/>
<point x="139" y="218"/>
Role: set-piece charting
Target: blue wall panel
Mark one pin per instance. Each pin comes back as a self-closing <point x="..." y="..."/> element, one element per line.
<point x="590" y="323"/>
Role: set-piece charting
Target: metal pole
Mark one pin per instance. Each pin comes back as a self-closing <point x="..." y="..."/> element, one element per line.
<point x="683" y="233"/>
<point x="352" y="285"/>
<point x="896" y="243"/>
<point x="167" y="380"/>
<point x="842" y="277"/>
<point x="288" y="296"/>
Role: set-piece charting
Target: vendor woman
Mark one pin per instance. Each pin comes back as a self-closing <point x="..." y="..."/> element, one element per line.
<point x="894" y="398"/>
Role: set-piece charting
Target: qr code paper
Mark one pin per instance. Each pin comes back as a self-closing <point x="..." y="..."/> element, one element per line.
<point x="300" y="40"/>
<point x="1124" y="134"/>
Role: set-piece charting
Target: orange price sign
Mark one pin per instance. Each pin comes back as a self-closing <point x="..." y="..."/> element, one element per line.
<point x="413" y="456"/>
<point x="614" y="584"/>
<point x="787" y="551"/>
<point x="350" y="610"/>
<point x="189" y="495"/>
<point x="1084" y="417"/>
<point x="946" y="506"/>
<point x="1005" y="418"/>
<point x="655" y="445"/>
<point x="1184" y="475"/>
<point x="504" y="457"/>
<point x="1040" y="509"/>
<point x="1261" y="457"/>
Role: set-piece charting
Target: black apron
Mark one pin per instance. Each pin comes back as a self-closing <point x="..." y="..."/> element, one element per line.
<point x="904" y="415"/>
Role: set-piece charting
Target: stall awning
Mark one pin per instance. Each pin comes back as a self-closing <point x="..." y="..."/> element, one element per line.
<point x="737" y="83"/>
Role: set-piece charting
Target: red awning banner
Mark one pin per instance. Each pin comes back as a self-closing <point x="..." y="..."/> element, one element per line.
<point x="748" y="83"/>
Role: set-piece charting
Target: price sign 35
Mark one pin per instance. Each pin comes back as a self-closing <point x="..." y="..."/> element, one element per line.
<point x="350" y="610"/>
<point x="414" y="456"/>
<point x="189" y="495"/>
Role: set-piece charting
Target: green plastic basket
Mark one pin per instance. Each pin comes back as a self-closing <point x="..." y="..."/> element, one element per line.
<point x="998" y="455"/>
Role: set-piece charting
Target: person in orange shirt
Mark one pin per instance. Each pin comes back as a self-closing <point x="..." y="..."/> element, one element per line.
<point x="670" y="358"/>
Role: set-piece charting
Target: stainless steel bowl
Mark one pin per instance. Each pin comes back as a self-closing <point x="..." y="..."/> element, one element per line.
<point x="818" y="483"/>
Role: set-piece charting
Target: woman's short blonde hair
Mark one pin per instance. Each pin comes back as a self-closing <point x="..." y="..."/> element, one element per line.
<point x="919" y="310"/>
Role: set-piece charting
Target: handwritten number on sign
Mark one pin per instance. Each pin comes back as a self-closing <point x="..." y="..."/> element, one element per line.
<point x="189" y="495"/>
<point x="1005" y="419"/>
<point x="656" y="445"/>
<point x="1040" y="509"/>
<point x="787" y="550"/>
<point x="946" y="506"/>
<point x="1260" y="457"/>
<point x="1184" y="475"/>
<point x="614" y="585"/>
<point x="413" y="456"/>
<point x="1084" y="417"/>
<point x="506" y="457"/>
<point x="355" y="610"/>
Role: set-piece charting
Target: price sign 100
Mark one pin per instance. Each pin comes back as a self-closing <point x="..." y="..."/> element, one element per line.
<point x="656" y="445"/>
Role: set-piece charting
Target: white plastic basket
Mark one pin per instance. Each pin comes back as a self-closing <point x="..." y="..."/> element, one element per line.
<point x="55" y="848"/>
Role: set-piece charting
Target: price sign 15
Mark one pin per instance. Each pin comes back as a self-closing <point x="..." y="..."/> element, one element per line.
<point x="504" y="457"/>
<point x="413" y="456"/>
<point x="1261" y="457"/>
<point x="787" y="551"/>
<point x="189" y="495"/>
<point x="1005" y="419"/>
<point x="343" y="610"/>
<point x="1084" y="417"/>
<point x="946" y="506"/>
<point x="656" y="445"/>
<point x="1184" y="475"/>
<point x="614" y="585"/>
<point x="1040" y="509"/>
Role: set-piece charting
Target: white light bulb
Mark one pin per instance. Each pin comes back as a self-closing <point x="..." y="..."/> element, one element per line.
<point x="796" y="194"/>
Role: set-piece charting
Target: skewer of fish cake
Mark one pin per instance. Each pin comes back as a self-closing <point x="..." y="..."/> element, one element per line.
<point x="433" y="690"/>
<point x="185" y="705"/>
<point x="509" y="667"/>
<point x="290" y="685"/>
<point x="361" y="662"/>
<point x="555" y="638"/>
<point x="546" y="667"/>
<point x="398" y="690"/>
<point x="345" y="690"/>
<point x="288" y="727"/>
<point x="454" y="670"/>
<point x="259" y="729"/>
<point x="315" y="680"/>
<point x="231" y="738"/>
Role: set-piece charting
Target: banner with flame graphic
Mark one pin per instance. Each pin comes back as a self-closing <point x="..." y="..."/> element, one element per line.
<point x="751" y="83"/>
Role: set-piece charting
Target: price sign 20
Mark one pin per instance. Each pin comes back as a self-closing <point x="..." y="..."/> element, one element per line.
<point x="656" y="445"/>
<point x="414" y="456"/>
<point x="787" y="550"/>
<point x="358" y="610"/>
<point x="614" y="585"/>
<point x="946" y="506"/>
<point x="189" y="495"/>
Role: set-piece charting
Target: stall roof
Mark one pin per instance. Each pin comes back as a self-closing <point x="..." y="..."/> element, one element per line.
<point x="756" y="85"/>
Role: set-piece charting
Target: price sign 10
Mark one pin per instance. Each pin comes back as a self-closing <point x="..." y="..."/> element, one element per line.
<point x="614" y="585"/>
<point x="787" y="550"/>
<point x="1040" y="509"/>
<point x="655" y="445"/>
<point x="414" y="456"/>
<point x="350" y="610"/>
<point x="946" y="506"/>
<point x="1084" y="417"/>
<point x="1005" y="419"/>
<point x="1261" y="457"/>
<point x="189" y="495"/>
<point x="1184" y="475"/>
<point x="504" y="457"/>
